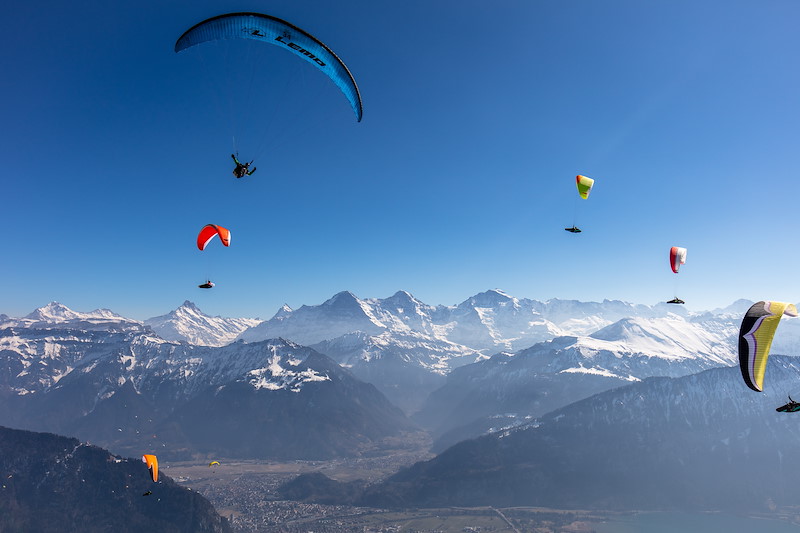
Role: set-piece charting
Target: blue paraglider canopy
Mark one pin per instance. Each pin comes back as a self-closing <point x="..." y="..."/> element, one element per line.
<point x="272" y="30"/>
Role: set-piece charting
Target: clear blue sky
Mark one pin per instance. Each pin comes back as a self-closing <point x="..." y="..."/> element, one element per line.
<point x="114" y="151"/>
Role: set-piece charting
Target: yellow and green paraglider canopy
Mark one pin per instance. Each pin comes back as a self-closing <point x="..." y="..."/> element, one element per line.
<point x="755" y="339"/>
<point x="584" y="185"/>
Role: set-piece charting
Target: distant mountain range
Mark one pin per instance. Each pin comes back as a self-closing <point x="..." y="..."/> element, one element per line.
<point x="102" y="375"/>
<point x="57" y="484"/>
<point x="694" y="443"/>
<point x="510" y="388"/>
<point x="487" y="322"/>
<point x="401" y="345"/>
<point x="130" y="390"/>
<point x="56" y="313"/>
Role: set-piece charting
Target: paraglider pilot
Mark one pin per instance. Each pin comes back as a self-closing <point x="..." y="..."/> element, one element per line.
<point x="791" y="407"/>
<point x="242" y="169"/>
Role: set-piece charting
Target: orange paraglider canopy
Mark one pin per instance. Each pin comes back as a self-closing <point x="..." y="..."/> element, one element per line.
<point x="152" y="464"/>
<point x="210" y="231"/>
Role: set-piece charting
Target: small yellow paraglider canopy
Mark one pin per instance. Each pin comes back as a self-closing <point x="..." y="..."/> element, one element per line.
<point x="584" y="185"/>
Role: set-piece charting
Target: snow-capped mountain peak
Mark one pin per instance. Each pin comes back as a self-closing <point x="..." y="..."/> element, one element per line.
<point x="491" y="298"/>
<point x="188" y="323"/>
<point x="284" y="311"/>
<point x="669" y="338"/>
<point x="189" y="306"/>
<point x="52" y="312"/>
<point x="403" y="298"/>
<point x="56" y="312"/>
<point x="343" y="299"/>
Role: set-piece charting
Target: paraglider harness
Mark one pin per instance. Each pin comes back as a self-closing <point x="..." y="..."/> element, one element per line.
<point x="242" y="169"/>
<point x="791" y="407"/>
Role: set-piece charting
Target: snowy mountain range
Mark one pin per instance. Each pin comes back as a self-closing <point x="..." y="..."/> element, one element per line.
<point x="402" y="345"/>
<point x="187" y="323"/>
<point x="487" y="322"/>
<point x="407" y="348"/>
<point x="622" y="393"/>
<point x="510" y="388"/>
<point x="435" y="361"/>
<point x="131" y="390"/>
<point x="56" y="313"/>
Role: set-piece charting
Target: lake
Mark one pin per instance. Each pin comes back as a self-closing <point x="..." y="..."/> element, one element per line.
<point x="694" y="523"/>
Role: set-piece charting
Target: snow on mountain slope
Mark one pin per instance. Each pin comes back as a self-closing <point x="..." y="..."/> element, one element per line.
<point x="404" y="367"/>
<point x="33" y="360"/>
<point x="177" y="370"/>
<point x="341" y="314"/>
<point x="406" y="348"/>
<point x="490" y="321"/>
<point x="636" y="340"/>
<point x="56" y="314"/>
<point x="188" y="323"/>
<point x="432" y="354"/>
<point x="403" y="313"/>
<point x="35" y="355"/>
<point x="670" y="338"/>
<point x="637" y="348"/>
<point x="142" y="386"/>
<point x="548" y="374"/>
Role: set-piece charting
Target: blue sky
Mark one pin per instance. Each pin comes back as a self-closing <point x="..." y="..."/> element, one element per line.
<point x="115" y="151"/>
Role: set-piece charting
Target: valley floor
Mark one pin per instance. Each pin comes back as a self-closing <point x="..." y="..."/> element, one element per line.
<point x="246" y="492"/>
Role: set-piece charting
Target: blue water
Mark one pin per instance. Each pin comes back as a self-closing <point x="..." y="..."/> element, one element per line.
<point x="693" y="523"/>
